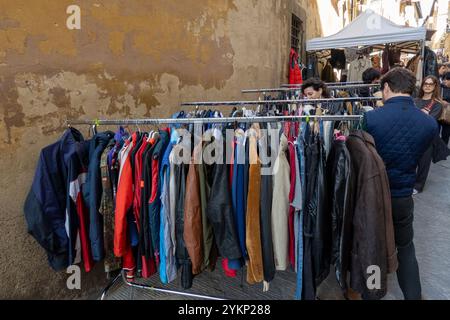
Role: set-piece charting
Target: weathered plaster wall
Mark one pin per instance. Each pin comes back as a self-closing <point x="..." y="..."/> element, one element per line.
<point x="131" y="59"/>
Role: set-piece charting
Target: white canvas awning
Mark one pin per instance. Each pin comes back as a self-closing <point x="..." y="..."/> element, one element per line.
<point x="368" y="29"/>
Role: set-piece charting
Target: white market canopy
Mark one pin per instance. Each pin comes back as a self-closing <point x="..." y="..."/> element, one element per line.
<point x="368" y="29"/>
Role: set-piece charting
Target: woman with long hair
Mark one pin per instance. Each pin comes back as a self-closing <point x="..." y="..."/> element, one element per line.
<point x="429" y="101"/>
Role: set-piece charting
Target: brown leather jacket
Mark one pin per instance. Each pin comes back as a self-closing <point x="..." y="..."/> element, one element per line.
<point x="373" y="231"/>
<point x="193" y="227"/>
<point x="255" y="272"/>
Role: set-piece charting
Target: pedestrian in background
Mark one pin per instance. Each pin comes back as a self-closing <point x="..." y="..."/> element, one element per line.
<point x="429" y="101"/>
<point x="445" y="88"/>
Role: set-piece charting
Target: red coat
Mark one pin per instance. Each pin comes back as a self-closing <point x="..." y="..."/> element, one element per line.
<point x="124" y="203"/>
<point x="295" y="74"/>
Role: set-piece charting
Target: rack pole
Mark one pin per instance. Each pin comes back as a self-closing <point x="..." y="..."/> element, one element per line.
<point x="327" y="83"/>
<point x="307" y="101"/>
<point x="331" y="87"/>
<point x="210" y="120"/>
<point x="109" y="286"/>
<point x="180" y="293"/>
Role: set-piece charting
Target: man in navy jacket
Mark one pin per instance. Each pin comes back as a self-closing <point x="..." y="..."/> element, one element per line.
<point x="402" y="134"/>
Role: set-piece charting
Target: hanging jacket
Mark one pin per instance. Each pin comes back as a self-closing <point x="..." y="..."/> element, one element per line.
<point x="311" y="162"/>
<point x="327" y="74"/>
<point x="92" y="193"/>
<point x="255" y="271"/>
<point x="266" y="213"/>
<point x="182" y="255"/>
<point x="373" y="240"/>
<point x="77" y="176"/>
<point x="340" y="193"/>
<point x="193" y="229"/>
<point x="146" y="248"/>
<point x="280" y="207"/>
<point x="220" y="210"/>
<point x="299" y="204"/>
<point x="319" y="222"/>
<point x="113" y="161"/>
<point x="402" y="134"/>
<point x="295" y="74"/>
<point x="238" y="194"/>
<point x="145" y="265"/>
<point x="154" y="202"/>
<point x="312" y="70"/>
<point x="296" y="205"/>
<point x="168" y="269"/>
<point x="124" y="207"/>
<point x="138" y="170"/>
<point x="430" y="67"/>
<point x="208" y="234"/>
<point x="385" y="60"/>
<point x="338" y="59"/>
<point x="107" y="211"/>
<point x="292" y="156"/>
<point x="46" y="203"/>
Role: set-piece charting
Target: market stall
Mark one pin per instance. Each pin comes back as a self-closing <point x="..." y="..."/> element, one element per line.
<point x="370" y="40"/>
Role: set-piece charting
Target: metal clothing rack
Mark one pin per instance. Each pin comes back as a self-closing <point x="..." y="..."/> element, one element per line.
<point x="294" y="101"/>
<point x="266" y="119"/>
<point x="211" y="120"/>
<point x="331" y="87"/>
<point x="327" y="83"/>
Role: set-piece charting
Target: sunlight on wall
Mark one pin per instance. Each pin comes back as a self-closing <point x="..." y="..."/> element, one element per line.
<point x="329" y="18"/>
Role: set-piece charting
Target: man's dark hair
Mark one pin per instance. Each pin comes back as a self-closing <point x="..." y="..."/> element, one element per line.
<point x="370" y="75"/>
<point x="446" y="76"/>
<point x="400" y="80"/>
<point x="316" y="84"/>
<point x="440" y="65"/>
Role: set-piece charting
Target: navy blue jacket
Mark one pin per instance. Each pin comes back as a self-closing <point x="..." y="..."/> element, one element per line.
<point x="45" y="205"/>
<point x="402" y="134"/>
<point x="92" y="193"/>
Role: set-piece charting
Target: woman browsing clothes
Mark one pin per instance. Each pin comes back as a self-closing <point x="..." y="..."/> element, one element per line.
<point x="429" y="101"/>
<point x="313" y="89"/>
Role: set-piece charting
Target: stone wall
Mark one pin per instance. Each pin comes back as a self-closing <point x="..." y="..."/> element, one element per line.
<point x="131" y="59"/>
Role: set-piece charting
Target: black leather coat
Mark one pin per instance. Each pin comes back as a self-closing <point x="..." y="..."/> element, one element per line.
<point x="322" y="226"/>
<point x="317" y="222"/>
<point x="220" y="211"/>
<point x="340" y="191"/>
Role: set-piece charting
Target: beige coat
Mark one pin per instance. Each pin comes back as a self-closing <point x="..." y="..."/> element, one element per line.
<point x="280" y="207"/>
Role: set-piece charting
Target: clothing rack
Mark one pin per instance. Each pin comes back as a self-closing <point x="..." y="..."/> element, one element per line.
<point x="307" y="101"/>
<point x="327" y="83"/>
<point x="209" y="120"/>
<point x="332" y="87"/>
<point x="97" y="122"/>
